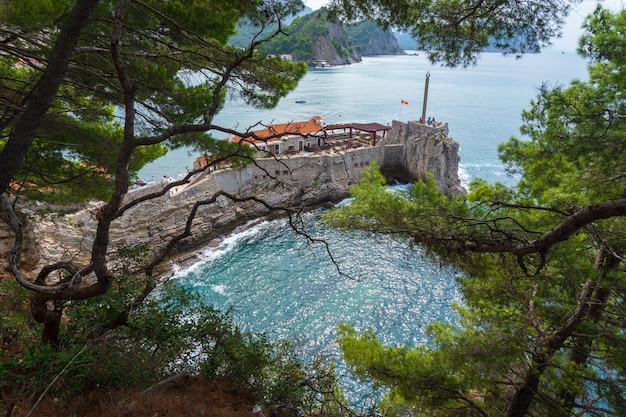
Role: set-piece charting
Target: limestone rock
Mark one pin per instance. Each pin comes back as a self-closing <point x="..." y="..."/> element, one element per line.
<point x="410" y="150"/>
<point x="325" y="47"/>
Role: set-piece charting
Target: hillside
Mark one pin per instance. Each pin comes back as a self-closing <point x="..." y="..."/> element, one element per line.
<point x="312" y="38"/>
<point x="246" y="30"/>
<point x="191" y="397"/>
<point x="370" y="39"/>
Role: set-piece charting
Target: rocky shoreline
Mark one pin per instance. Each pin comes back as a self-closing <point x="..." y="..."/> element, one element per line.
<point x="236" y="197"/>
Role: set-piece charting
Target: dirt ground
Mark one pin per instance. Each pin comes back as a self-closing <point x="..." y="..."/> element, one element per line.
<point x="189" y="398"/>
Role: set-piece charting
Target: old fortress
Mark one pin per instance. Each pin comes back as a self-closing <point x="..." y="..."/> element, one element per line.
<point x="297" y="165"/>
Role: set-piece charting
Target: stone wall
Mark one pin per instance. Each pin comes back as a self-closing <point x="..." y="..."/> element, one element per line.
<point x="428" y="149"/>
<point x="409" y="151"/>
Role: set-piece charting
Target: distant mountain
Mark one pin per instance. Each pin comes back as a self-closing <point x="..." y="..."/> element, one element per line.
<point x="405" y="41"/>
<point x="246" y="31"/>
<point x="528" y="43"/>
<point x="315" y="40"/>
<point x="370" y="39"/>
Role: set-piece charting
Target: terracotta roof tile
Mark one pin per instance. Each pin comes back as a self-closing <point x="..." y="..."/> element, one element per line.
<point x="275" y="131"/>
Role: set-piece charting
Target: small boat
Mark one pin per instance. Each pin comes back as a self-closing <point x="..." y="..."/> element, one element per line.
<point x="320" y="63"/>
<point x="300" y="101"/>
<point x="140" y="182"/>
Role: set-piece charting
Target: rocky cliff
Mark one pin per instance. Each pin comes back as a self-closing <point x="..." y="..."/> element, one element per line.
<point x="381" y="43"/>
<point x="305" y="181"/>
<point x="335" y="47"/>
<point x="370" y="39"/>
<point x="428" y="149"/>
<point x="314" y="39"/>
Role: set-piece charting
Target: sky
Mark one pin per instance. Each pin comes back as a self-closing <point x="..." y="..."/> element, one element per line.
<point x="571" y="30"/>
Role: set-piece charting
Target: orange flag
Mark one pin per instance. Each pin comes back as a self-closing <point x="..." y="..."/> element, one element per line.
<point x="404" y="101"/>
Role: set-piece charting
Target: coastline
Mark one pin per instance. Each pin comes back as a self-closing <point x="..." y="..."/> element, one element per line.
<point x="232" y="199"/>
<point x="183" y="261"/>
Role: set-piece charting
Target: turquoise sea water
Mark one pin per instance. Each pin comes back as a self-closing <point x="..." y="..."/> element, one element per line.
<point x="274" y="282"/>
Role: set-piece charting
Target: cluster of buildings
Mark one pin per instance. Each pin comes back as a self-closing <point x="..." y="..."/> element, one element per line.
<point x="309" y="136"/>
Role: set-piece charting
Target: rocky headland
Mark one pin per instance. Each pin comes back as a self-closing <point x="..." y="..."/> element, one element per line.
<point x="226" y="199"/>
<point x="370" y="39"/>
<point x="315" y="39"/>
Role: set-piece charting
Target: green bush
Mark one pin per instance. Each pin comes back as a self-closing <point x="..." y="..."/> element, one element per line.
<point x="16" y="324"/>
<point x="143" y="342"/>
<point x="270" y="371"/>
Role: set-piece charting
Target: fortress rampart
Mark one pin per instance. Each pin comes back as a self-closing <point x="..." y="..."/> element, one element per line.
<point x="408" y="151"/>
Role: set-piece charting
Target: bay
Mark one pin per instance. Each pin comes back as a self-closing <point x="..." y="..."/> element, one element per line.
<point x="275" y="282"/>
<point x="482" y="105"/>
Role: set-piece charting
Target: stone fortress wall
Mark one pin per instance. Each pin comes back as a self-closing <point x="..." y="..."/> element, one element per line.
<point x="408" y="151"/>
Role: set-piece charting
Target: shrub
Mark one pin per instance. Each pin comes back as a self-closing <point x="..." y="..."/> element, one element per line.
<point x="270" y="371"/>
<point x="143" y="341"/>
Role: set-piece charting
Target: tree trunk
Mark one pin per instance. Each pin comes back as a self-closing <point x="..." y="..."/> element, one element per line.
<point x="49" y="313"/>
<point x="25" y="130"/>
<point x="546" y="348"/>
<point x="526" y="393"/>
<point x="606" y="261"/>
<point x="590" y="306"/>
<point x="41" y="98"/>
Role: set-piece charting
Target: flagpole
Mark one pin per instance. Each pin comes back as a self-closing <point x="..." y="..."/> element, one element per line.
<point x="425" y="97"/>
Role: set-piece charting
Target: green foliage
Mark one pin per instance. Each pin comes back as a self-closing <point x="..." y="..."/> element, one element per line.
<point x="403" y="213"/>
<point x="602" y="42"/>
<point x="271" y="371"/>
<point x="539" y="331"/>
<point x="232" y="353"/>
<point x="282" y="75"/>
<point x="171" y="332"/>
<point x="16" y="329"/>
<point x="14" y="320"/>
<point x="301" y="36"/>
<point x="261" y="23"/>
<point x="32" y="14"/>
<point x="341" y="50"/>
<point x="409" y="372"/>
<point x="455" y="32"/>
<point x="577" y="132"/>
<point x="159" y="339"/>
<point x="360" y="32"/>
<point x="174" y="55"/>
